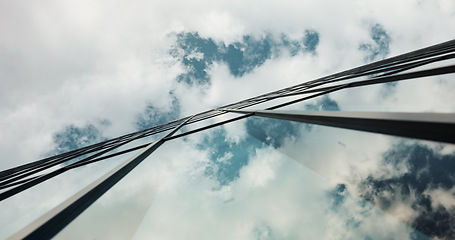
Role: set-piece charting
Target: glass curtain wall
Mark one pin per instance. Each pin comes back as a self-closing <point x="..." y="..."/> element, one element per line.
<point x="263" y="178"/>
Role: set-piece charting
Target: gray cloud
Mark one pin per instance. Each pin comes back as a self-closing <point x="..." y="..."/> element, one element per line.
<point x="73" y="64"/>
<point x="426" y="170"/>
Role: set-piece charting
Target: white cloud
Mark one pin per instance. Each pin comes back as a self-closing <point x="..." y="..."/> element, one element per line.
<point x="83" y="61"/>
<point x="273" y="194"/>
<point x="442" y="197"/>
<point x="25" y="207"/>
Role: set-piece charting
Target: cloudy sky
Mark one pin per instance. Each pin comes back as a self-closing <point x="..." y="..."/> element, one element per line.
<point x="78" y="72"/>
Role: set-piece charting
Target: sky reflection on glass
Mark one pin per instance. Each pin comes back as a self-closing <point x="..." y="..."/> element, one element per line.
<point x="318" y="182"/>
<point x="71" y="79"/>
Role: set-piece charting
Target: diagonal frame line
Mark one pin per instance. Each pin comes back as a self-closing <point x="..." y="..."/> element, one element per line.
<point x="438" y="127"/>
<point x="48" y="225"/>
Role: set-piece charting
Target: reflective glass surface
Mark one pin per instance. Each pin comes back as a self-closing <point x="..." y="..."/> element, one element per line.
<point x="25" y="207"/>
<point x="273" y="179"/>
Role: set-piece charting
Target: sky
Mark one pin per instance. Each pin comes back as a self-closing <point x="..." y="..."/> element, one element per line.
<point x="79" y="72"/>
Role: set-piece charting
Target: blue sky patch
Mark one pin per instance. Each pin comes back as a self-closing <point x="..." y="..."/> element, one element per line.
<point x="227" y="158"/>
<point x="324" y="103"/>
<point x="197" y="54"/>
<point x="73" y="137"/>
<point x="243" y="57"/>
<point x="379" y="47"/>
<point x="272" y="131"/>
<point x="153" y="116"/>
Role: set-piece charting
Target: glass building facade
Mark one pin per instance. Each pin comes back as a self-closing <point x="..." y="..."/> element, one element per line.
<point x="284" y="165"/>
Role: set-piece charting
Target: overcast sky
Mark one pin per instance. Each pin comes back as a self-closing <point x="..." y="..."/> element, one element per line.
<point x="77" y="72"/>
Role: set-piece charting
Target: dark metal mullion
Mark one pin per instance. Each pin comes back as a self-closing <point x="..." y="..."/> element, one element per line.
<point x="412" y="63"/>
<point x="94" y="157"/>
<point x="48" y="225"/>
<point x="73" y="152"/>
<point x="398" y="69"/>
<point x="438" y="127"/>
<point x="352" y="72"/>
<point x="307" y="85"/>
<point x="79" y="164"/>
<point x="409" y="55"/>
<point x="43" y="177"/>
<point x="418" y="64"/>
<point x="384" y="65"/>
<point x="76" y="152"/>
<point x="43" y="166"/>
<point x="68" y="155"/>
<point x="423" y="56"/>
<point x="30" y="171"/>
<point x="76" y="165"/>
<point x="392" y="60"/>
<point x="295" y="90"/>
<point x="405" y="65"/>
<point x="244" y="104"/>
<point x="257" y="102"/>
<point x="19" y="182"/>
<point x="146" y="144"/>
<point x="247" y="115"/>
<point x="56" y="172"/>
<point x="207" y="115"/>
<point x="5" y="173"/>
<point x="261" y="96"/>
<point x="249" y="103"/>
<point x="393" y="78"/>
<point x="383" y="79"/>
<point x="55" y="160"/>
<point x="207" y="127"/>
<point x="15" y="179"/>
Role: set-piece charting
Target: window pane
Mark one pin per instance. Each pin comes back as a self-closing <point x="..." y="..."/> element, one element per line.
<point x="272" y="179"/>
<point x="25" y="207"/>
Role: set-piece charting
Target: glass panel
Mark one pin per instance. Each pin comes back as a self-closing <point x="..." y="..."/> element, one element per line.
<point x="430" y="94"/>
<point x="25" y="207"/>
<point x="275" y="179"/>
